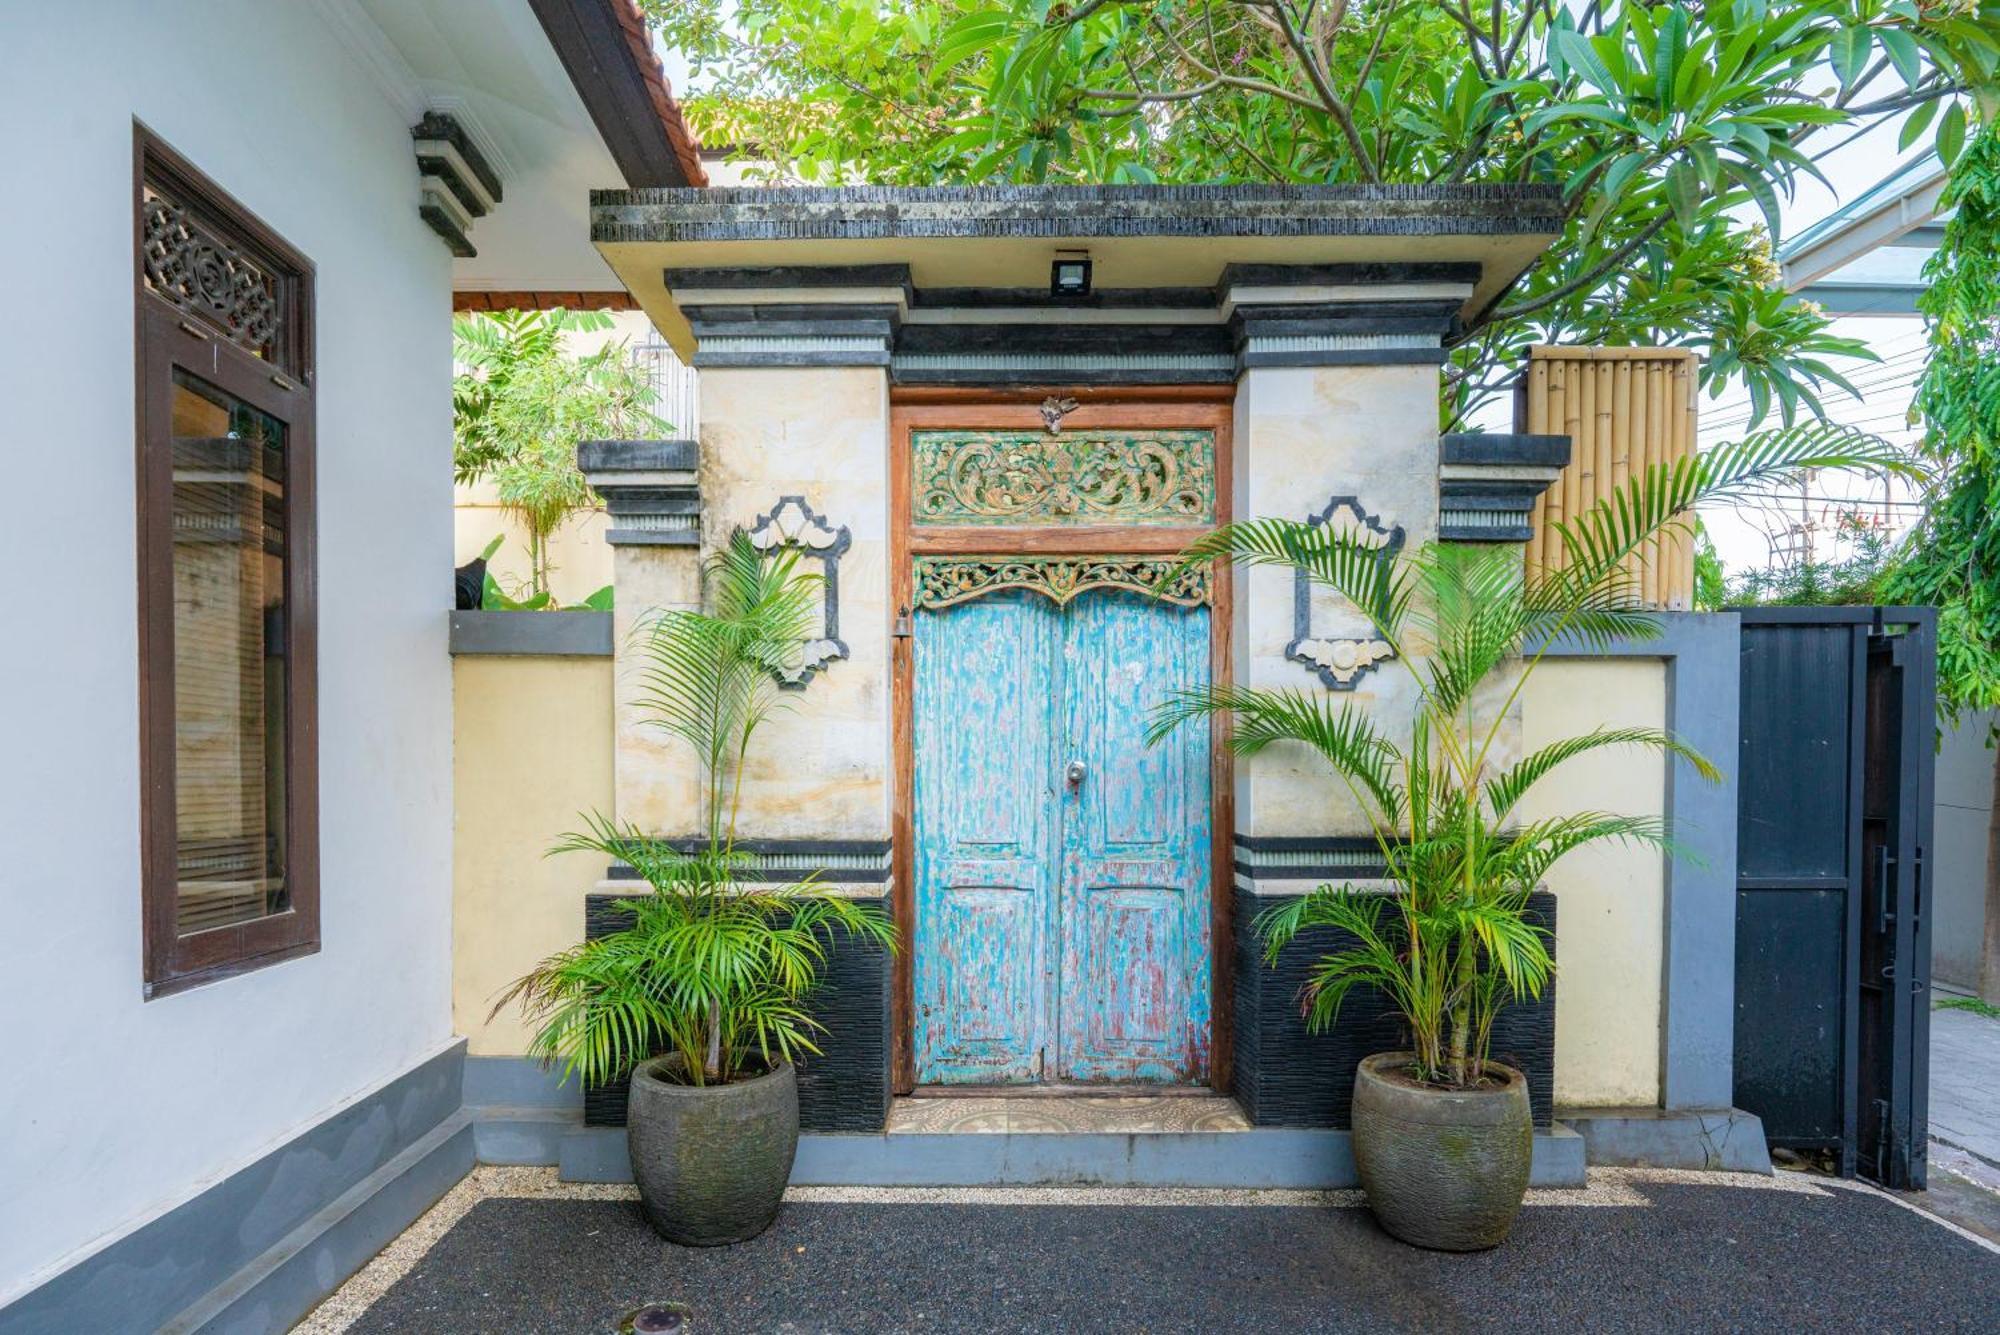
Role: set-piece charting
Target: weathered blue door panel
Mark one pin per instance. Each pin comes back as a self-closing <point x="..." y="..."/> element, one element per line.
<point x="1062" y="927"/>
<point x="986" y="680"/>
<point x="1133" y="997"/>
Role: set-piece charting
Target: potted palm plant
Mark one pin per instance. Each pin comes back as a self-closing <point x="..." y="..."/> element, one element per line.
<point x="704" y="998"/>
<point x="1442" y="1133"/>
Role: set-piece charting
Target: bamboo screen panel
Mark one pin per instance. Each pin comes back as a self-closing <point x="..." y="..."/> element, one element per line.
<point x="1624" y="410"/>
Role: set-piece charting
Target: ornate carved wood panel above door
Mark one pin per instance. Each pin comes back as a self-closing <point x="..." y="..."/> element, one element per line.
<point x="1159" y="477"/>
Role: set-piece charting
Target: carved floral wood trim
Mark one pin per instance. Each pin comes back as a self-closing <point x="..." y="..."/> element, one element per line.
<point x="942" y="581"/>
<point x="1340" y="661"/>
<point x="1164" y="477"/>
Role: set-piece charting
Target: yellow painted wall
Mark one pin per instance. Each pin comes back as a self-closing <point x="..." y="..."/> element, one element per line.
<point x="532" y="741"/>
<point x="579" y="558"/>
<point x="1609" y="899"/>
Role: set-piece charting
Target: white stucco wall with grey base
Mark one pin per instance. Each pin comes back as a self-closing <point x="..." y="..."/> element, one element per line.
<point x="123" y="1110"/>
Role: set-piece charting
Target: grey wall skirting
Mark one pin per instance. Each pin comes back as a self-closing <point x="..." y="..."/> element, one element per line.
<point x="255" y="1251"/>
<point x="1289" y="1076"/>
<point x="1698" y="992"/>
<point x="532" y="634"/>
<point x="843" y="1087"/>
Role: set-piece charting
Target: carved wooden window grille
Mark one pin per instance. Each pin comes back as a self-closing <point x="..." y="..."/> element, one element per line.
<point x="215" y="266"/>
<point x="1147" y="478"/>
<point x="944" y="581"/>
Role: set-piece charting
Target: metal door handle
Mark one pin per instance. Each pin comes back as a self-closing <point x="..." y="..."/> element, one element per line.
<point x="1074" y="772"/>
<point x="1885" y="888"/>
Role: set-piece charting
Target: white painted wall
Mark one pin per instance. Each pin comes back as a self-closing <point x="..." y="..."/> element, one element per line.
<point x="1963" y="817"/>
<point x="114" y="1108"/>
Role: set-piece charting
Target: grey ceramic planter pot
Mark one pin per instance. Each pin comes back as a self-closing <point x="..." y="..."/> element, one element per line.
<point x="1444" y="1169"/>
<point x="711" y="1163"/>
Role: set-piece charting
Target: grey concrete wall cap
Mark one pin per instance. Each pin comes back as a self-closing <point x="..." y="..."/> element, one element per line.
<point x="1535" y="451"/>
<point x="626" y="456"/>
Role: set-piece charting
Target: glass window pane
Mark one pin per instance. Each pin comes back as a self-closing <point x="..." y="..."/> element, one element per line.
<point x="229" y="665"/>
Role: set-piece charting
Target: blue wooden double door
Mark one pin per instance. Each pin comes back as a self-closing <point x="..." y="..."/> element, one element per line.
<point x="1061" y="865"/>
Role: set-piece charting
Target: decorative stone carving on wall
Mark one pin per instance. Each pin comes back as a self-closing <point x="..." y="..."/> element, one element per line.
<point x="1340" y="661"/>
<point x="1080" y="477"/>
<point x="793" y="523"/>
<point x="200" y="273"/>
<point x="942" y="581"/>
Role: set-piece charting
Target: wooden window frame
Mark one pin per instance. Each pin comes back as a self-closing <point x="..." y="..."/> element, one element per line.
<point x="170" y="338"/>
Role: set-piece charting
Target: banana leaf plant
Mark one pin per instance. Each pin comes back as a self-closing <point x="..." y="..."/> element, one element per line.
<point x="712" y="969"/>
<point x="1455" y="941"/>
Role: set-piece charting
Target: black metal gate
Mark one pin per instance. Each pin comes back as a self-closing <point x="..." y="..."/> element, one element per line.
<point x="1833" y="947"/>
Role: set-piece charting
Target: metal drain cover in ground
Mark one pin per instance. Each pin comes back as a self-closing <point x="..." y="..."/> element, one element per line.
<point x="656" y="1319"/>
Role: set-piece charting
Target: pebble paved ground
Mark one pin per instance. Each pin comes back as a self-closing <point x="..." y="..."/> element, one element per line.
<point x="1641" y="1250"/>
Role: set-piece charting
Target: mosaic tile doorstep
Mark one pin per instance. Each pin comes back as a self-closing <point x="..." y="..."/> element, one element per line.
<point x="1066" y="1113"/>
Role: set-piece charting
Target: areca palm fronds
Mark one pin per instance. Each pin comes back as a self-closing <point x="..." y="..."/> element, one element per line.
<point x="710" y="677"/>
<point x="710" y="969"/>
<point x="1456" y="941"/>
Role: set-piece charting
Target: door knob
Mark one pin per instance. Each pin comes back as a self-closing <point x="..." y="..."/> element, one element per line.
<point x="1073" y="773"/>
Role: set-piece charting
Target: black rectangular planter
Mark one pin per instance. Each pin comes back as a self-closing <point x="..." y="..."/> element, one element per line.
<point x="1286" y="1076"/>
<point x="845" y="1087"/>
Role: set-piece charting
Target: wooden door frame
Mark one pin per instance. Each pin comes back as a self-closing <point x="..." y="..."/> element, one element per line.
<point x="938" y="408"/>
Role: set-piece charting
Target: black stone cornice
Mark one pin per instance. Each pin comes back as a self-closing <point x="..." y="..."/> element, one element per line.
<point x="795" y="316"/>
<point x="650" y="489"/>
<point x="766" y="277"/>
<point x="1512" y="448"/>
<point x="1355" y="274"/>
<point x="1488" y="483"/>
<point x="1071" y="212"/>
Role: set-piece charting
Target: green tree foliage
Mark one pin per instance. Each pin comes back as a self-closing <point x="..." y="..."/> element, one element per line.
<point x="1663" y="123"/>
<point x="1856" y="579"/>
<point x="1952" y="560"/>
<point x="1711" y="584"/>
<point x="714" y="971"/>
<point x="520" y="406"/>
<point x="1442" y="801"/>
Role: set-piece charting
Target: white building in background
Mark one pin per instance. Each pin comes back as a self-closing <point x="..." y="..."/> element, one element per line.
<point x="1861" y="262"/>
